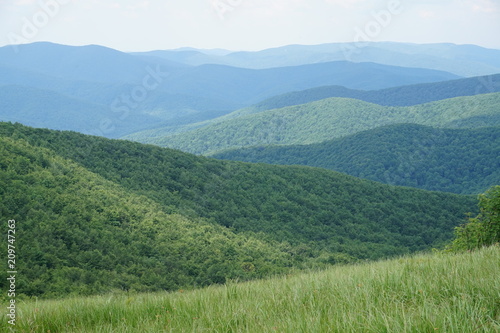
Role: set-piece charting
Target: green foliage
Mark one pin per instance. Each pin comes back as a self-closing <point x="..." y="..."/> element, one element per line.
<point x="99" y="214"/>
<point x="328" y="119"/>
<point x="80" y="234"/>
<point x="425" y="293"/>
<point x="484" y="229"/>
<point x="459" y="161"/>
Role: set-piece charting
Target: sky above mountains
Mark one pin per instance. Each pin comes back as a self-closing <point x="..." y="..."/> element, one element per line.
<point x="141" y="25"/>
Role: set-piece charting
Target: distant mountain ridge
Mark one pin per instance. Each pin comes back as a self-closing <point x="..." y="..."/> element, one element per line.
<point x="463" y="60"/>
<point x="91" y="63"/>
<point x="249" y="86"/>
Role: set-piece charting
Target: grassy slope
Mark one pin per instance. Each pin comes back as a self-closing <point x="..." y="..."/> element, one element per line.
<point x="425" y="293"/>
<point x="331" y="118"/>
<point x="452" y="160"/>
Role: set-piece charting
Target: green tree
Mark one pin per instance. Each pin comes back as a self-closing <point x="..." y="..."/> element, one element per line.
<point x="484" y="229"/>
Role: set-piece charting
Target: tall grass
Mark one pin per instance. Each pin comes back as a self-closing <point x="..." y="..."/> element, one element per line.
<point x="425" y="293"/>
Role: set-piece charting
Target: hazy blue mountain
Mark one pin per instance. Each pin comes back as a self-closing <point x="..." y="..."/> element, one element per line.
<point x="248" y="86"/>
<point x="454" y="160"/>
<point x="228" y="83"/>
<point x="80" y="63"/>
<point x="397" y="96"/>
<point x="463" y="60"/>
<point x="15" y="76"/>
<point x="49" y="109"/>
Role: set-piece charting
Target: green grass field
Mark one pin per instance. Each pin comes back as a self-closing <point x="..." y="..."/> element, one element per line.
<point x="424" y="293"/>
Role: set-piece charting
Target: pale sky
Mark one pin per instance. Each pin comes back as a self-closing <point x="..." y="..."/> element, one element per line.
<point x="141" y="25"/>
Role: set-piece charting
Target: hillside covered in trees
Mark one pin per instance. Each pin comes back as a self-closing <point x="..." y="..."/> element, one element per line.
<point x="100" y="213"/>
<point x="452" y="160"/>
<point x="328" y="119"/>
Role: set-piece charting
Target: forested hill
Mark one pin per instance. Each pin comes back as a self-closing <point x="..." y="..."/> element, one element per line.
<point x="79" y="234"/>
<point x="76" y="194"/>
<point x="453" y="160"/>
<point x="328" y="119"/>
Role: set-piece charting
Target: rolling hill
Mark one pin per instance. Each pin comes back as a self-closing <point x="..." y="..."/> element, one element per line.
<point x="77" y="194"/>
<point x="81" y="234"/>
<point x="328" y="119"/>
<point x="452" y="160"/>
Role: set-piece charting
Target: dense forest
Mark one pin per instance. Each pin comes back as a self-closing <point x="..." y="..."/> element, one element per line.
<point x="80" y="234"/>
<point x="328" y="119"/>
<point x="452" y="160"/>
<point x="194" y="220"/>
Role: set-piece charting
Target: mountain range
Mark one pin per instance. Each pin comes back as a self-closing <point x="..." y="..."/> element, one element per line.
<point x="463" y="60"/>
<point x="133" y="92"/>
<point x="398" y="96"/>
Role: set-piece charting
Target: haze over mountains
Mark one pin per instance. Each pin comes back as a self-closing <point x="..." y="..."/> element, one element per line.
<point x="135" y="92"/>
<point x="209" y="101"/>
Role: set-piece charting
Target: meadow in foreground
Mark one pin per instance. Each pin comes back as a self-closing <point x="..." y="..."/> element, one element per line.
<point x="424" y="293"/>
